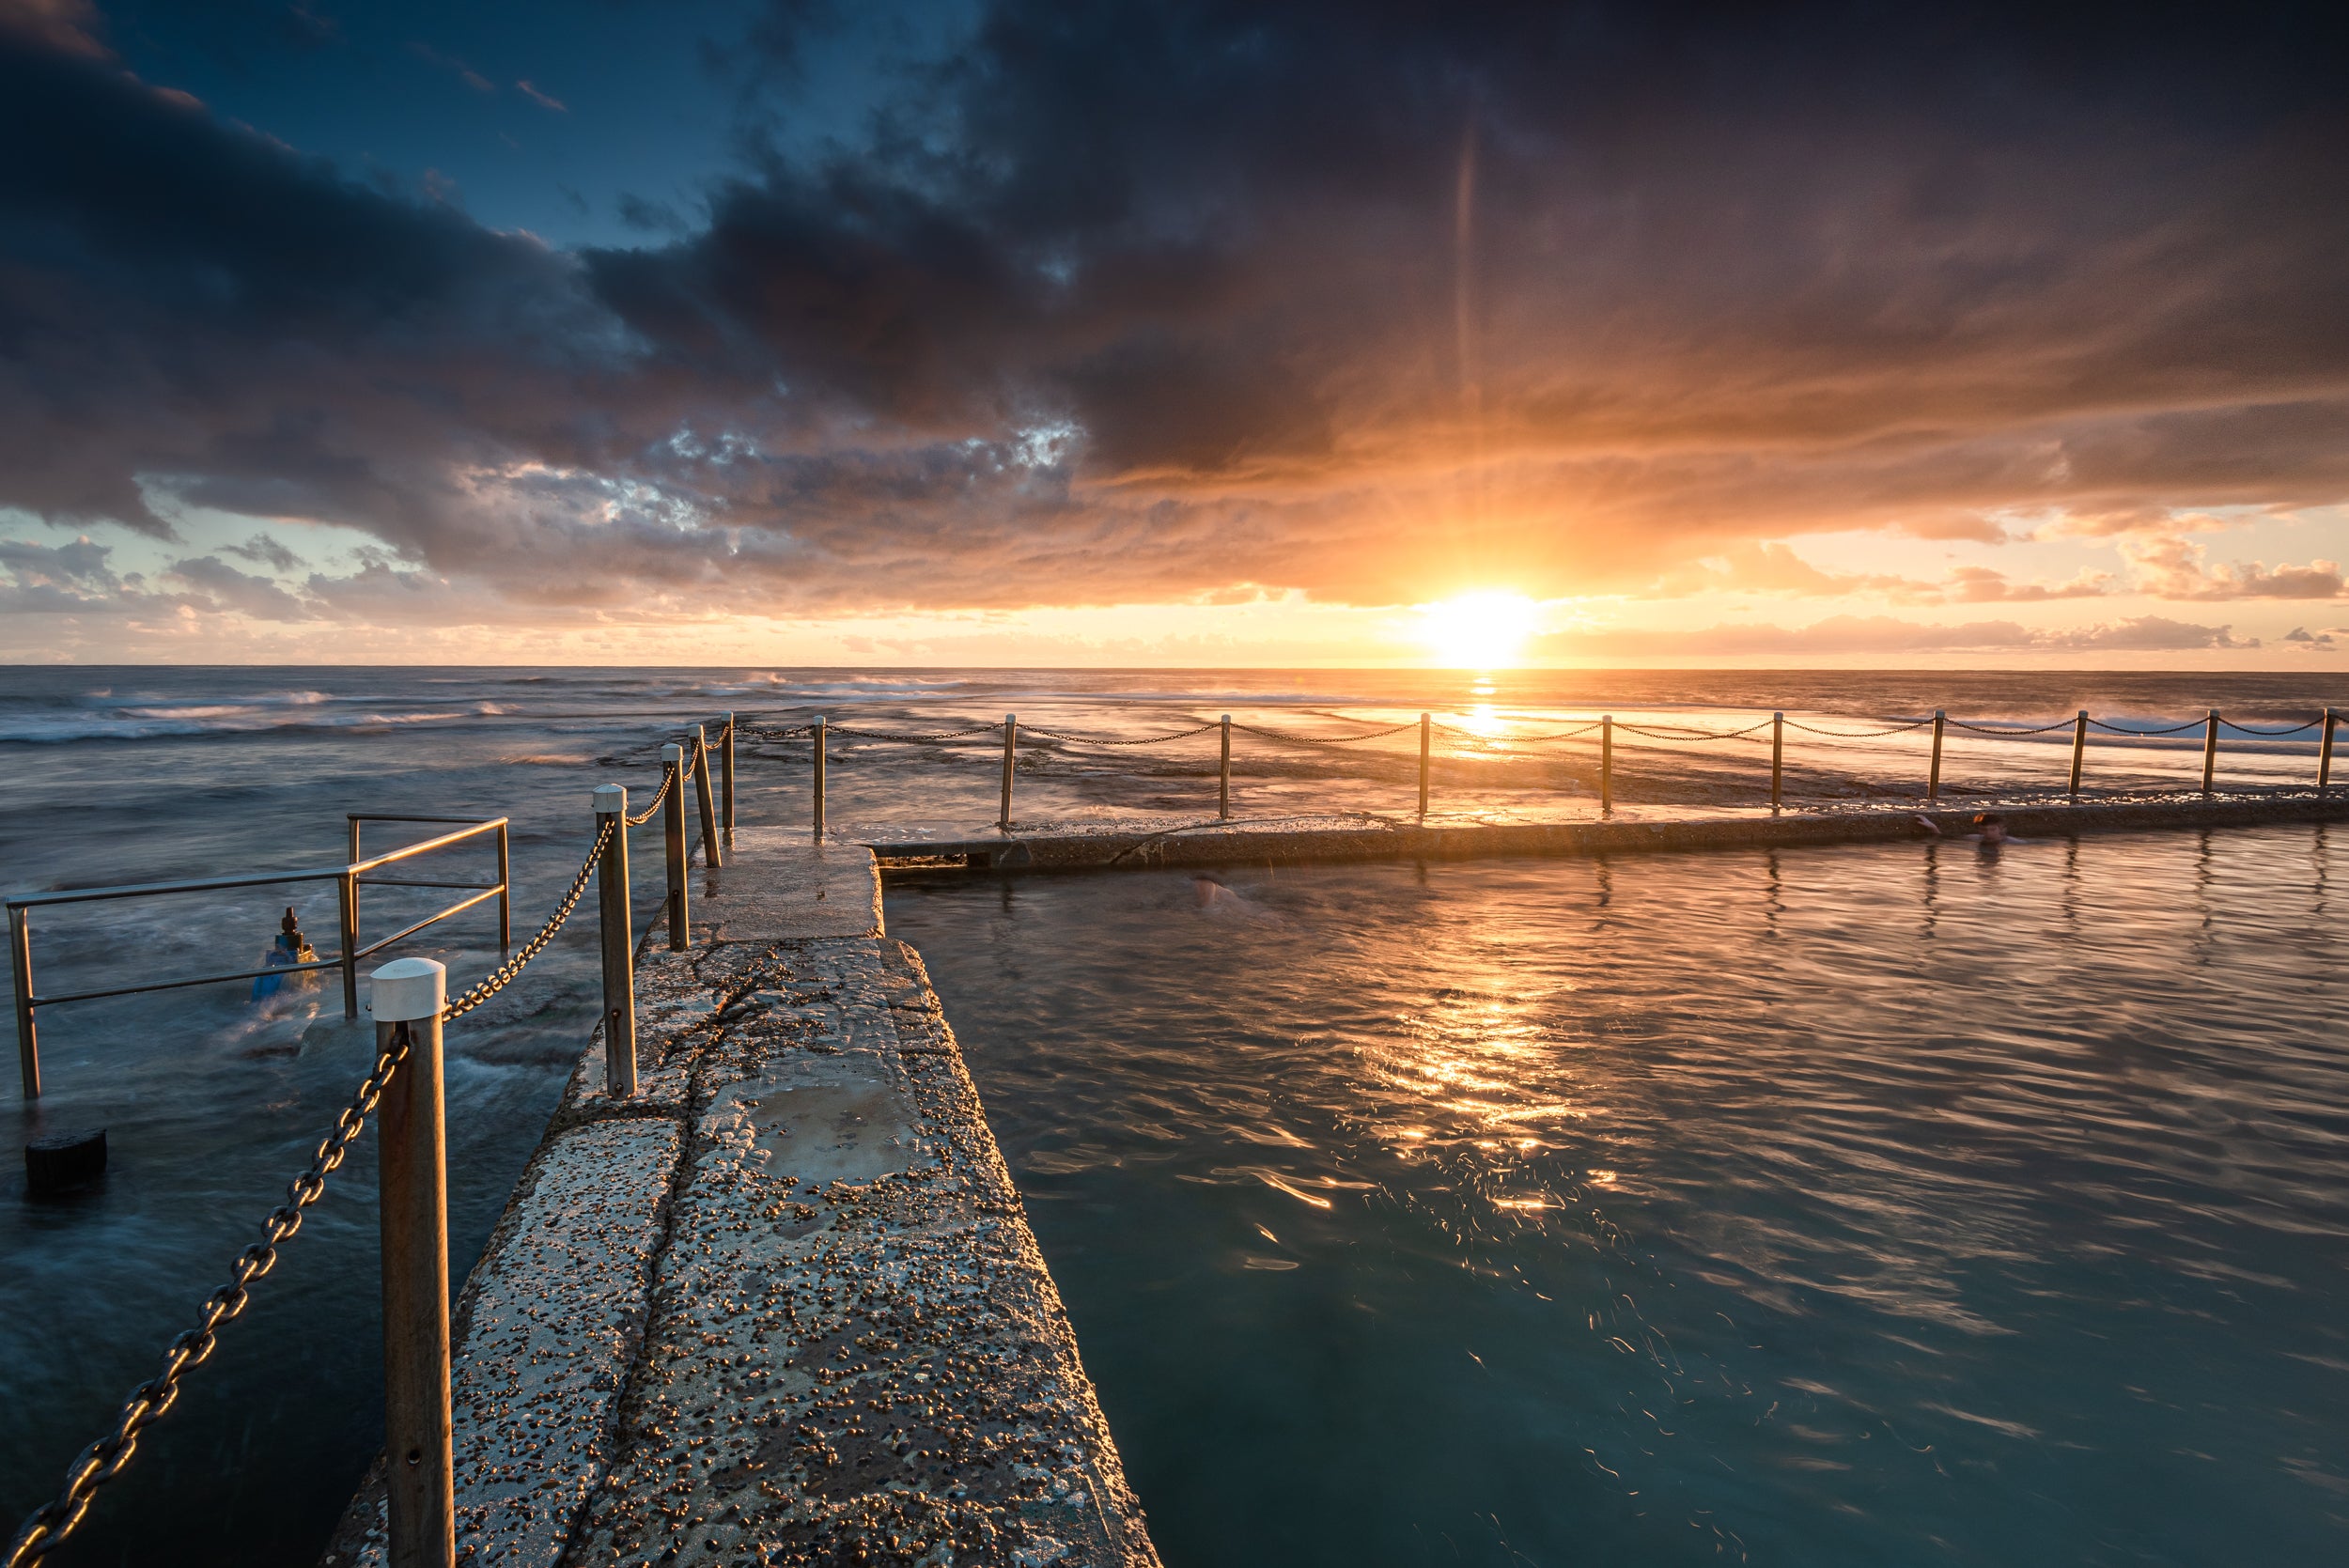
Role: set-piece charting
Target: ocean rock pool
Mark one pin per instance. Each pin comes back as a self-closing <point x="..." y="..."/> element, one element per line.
<point x="1915" y="1204"/>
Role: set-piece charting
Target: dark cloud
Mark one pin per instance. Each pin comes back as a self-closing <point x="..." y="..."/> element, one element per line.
<point x="1146" y="300"/>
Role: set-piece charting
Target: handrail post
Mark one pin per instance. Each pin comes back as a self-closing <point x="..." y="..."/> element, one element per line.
<point x="815" y="732"/>
<point x="1011" y="741"/>
<point x="1606" y="764"/>
<point x="673" y="837"/>
<point x="710" y="855"/>
<point x="347" y="907"/>
<point x="1426" y="727"/>
<point x="1933" y="779"/>
<point x="1223" y="788"/>
<point x="2079" y="750"/>
<point x="2210" y="750"/>
<point x="1778" y="760"/>
<point x="2325" y="756"/>
<point x="619" y="944"/>
<point x="506" y="890"/>
<point x="21" y="969"/>
<point x="725" y="764"/>
<point x="419" y="1459"/>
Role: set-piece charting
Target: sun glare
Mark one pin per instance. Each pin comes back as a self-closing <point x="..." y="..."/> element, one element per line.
<point x="1479" y="631"/>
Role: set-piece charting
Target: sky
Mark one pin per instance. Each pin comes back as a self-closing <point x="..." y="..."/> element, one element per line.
<point x="999" y="331"/>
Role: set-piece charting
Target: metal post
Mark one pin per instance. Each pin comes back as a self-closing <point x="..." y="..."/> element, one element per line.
<point x="2324" y="754"/>
<point x="725" y="764"/>
<point x="2210" y="750"/>
<point x="1223" y="790"/>
<point x="2079" y="750"/>
<point x="1425" y="728"/>
<point x="350" y="932"/>
<point x="412" y="1186"/>
<point x="505" y="890"/>
<point x="710" y="855"/>
<point x="347" y="908"/>
<point x="817" y="731"/>
<point x="1932" y="779"/>
<point x="1606" y="763"/>
<point x="619" y="944"/>
<point x="1011" y="739"/>
<point x="672" y="835"/>
<point x="1778" y="758"/>
<point x="20" y="968"/>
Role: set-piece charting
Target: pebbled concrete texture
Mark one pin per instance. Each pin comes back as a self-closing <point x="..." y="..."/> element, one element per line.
<point x="783" y="1306"/>
<point x="548" y="1326"/>
<point x="856" y="1353"/>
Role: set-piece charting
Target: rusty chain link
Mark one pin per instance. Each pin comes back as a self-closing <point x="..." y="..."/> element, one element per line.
<point x="48" y="1526"/>
<point x="502" y="976"/>
<point x="668" y="781"/>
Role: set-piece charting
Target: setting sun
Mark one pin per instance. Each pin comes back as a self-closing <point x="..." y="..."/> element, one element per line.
<point x="1479" y="631"/>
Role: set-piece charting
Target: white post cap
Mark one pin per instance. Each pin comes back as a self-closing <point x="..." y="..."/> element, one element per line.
<point x="611" y="797"/>
<point x="672" y="753"/>
<point x="407" y="989"/>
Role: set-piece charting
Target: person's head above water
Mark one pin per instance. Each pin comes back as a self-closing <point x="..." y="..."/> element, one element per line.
<point x="1993" y="826"/>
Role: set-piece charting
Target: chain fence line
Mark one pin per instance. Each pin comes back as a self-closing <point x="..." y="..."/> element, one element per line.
<point x="49" y="1525"/>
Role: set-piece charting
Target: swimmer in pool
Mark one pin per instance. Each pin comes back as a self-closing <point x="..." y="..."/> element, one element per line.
<point x="1211" y="897"/>
<point x="1989" y="828"/>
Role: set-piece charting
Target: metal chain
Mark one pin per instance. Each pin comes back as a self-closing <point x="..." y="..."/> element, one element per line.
<point x="48" y="1526"/>
<point x="2246" y="729"/>
<point x="667" y="780"/>
<point x="1332" y="740"/>
<point x="2043" y="729"/>
<point x="909" y="740"/>
<point x="502" y="976"/>
<point x="1519" y="739"/>
<point x="1683" y="732"/>
<point x="1026" y="730"/>
<point x="2116" y="729"/>
<point x="1859" y="734"/>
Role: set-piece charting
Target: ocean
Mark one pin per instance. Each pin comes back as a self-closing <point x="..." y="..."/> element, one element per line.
<point x="2026" y="1165"/>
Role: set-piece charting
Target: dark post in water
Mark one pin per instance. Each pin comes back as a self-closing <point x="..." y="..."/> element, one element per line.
<point x="2210" y="750"/>
<point x="1778" y="758"/>
<point x="710" y="856"/>
<point x="2079" y="750"/>
<point x="21" y="969"/>
<point x="1426" y="726"/>
<point x="1933" y="778"/>
<point x="726" y="775"/>
<point x="619" y="944"/>
<point x="2325" y="755"/>
<point x="1011" y="739"/>
<point x="1606" y="763"/>
<point x="419" y="1459"/>
<point x="815" y="735"/>
<point x="1223" y="788"/>
<point x="673" y="841"/>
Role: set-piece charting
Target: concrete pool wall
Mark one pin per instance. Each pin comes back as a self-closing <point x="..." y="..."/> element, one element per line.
<point x="782" y="1304"/>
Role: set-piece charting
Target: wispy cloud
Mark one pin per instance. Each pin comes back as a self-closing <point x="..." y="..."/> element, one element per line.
<point x="544" y="101"/>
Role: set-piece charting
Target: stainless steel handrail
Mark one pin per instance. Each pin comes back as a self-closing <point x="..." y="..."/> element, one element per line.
<point x="348" y="878"/>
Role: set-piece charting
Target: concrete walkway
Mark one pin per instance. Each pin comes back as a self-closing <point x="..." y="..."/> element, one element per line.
<point x="783" y="1306"/>
<point x="1297" y="840"/>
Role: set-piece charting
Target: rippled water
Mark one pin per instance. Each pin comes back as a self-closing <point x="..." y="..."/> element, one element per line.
<point x="1860" y="1205"/>
<point x="132" y="774"/>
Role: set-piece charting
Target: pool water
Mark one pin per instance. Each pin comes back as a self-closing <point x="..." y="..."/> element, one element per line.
<point x="1913" y="1203"/>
